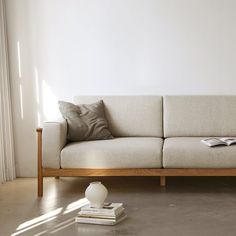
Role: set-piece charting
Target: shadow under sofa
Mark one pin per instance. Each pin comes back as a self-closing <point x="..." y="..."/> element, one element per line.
<point x="154" y="136"/>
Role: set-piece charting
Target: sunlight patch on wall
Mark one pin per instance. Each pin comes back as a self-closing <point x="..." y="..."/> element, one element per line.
<point x="21" y="103"/>
<point x="36" y="75"/>
<point x="50" y="103"/>
<point x="37" y="97"/>
<point x="39" y="119"/>
<point x="19" y="59"/>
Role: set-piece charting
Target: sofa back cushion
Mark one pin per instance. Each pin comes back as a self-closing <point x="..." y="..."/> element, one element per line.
<point x="199" y="116"/>
<point x="130" y="115"/>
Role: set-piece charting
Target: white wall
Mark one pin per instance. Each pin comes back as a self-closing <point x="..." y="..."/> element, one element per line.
<point x="76" y="47"/>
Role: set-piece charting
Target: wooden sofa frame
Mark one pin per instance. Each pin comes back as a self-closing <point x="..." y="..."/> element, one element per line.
<point x="162" y="173"/>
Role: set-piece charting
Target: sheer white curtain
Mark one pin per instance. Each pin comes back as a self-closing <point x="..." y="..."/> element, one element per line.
<point x="7" y="163"/>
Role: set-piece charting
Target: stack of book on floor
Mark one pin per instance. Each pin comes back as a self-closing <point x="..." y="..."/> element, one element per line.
<point x="110" y="214"/>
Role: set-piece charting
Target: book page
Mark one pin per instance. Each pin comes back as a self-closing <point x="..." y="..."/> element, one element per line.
<point x="228" y="140"/>
<point x="211" y="142"/>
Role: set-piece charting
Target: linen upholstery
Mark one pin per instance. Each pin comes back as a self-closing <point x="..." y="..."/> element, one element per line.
<point x="189" y="152"/>
<point x="85" y="122"/>
<point x="54" y="139"/>
<point x="130" y="115"/>
<point x="136" y="152"/>
<point x="199" y="116"/>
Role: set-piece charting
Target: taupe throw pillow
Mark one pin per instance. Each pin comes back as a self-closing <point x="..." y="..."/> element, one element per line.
<point x="85" y="122"/>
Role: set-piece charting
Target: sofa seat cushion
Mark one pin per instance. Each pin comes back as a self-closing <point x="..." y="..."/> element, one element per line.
<point x="189" y="152"/>
<point x="132" y="152"/>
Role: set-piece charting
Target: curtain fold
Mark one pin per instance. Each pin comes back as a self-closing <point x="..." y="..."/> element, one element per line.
<point x="7" y="162"/>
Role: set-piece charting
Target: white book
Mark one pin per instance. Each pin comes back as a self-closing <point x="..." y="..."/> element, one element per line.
<point x="108" y="208"/>
<point x="212" y="142"/>
<point x="100" y="221"/>
<point x="101" y="214"/>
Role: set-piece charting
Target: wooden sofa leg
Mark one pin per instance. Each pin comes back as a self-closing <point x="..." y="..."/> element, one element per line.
<point x="40" y="168"/>
<point x="40" y="186"/>
<point x="162" y="181"/>
<point x="57" y="177"/>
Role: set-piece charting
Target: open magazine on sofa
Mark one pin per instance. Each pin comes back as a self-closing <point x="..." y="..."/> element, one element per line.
<point x="212" y="142"/>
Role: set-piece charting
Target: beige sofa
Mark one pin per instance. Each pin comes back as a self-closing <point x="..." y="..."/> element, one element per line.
<point x="154" y="136"/>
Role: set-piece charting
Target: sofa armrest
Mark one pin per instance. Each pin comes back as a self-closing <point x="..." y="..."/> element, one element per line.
<point x="53" y="140"/>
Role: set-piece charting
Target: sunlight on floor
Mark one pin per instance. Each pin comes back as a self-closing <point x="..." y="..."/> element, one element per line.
<point x="63" y="225"/>
<point x="52" y="215"/>
<point x="33" y="226"/>
<point x="40" y="218"/>
<point x="76" y="205"/>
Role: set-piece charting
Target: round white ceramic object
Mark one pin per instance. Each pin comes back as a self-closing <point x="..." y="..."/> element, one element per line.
<point x="96" y="193"/>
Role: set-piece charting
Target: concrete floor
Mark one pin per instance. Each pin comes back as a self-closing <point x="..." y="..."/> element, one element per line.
<point x="202" y="206"/>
